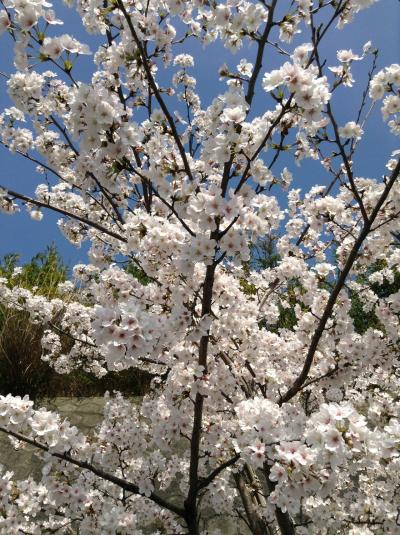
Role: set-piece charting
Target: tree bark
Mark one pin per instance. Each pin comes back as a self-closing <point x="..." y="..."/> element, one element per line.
<point x="284" y="520"/>
<point x="191" y="510"/>
<point x="191" y="519"/>
<point x="257" y="524"/>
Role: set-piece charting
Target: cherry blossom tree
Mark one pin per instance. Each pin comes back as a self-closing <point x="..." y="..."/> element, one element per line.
<point x="249" y="426"/>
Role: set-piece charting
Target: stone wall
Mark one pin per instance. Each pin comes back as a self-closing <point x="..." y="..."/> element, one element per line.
<point x="85" y="413"/>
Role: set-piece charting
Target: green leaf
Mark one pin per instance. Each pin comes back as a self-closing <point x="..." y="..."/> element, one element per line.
<point x="68" y="65"/>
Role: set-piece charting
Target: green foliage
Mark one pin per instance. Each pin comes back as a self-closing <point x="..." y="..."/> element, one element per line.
<point x="43" y="273"/>
<point x="68" y="65"/>
<point x="79" y="383"/>
<point x="247" y="287"/>
<point x="364" y="320"/>
<point x="263" y="255"/>
<point x="287" y="319"/>
<point x="137" y="273"/>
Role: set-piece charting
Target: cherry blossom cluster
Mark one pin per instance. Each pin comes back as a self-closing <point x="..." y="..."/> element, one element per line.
<point x="310" y="91"/>
<point x="388" y="81"/>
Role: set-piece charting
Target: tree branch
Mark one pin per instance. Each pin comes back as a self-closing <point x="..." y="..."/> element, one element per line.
<point x="204" y="482"/>
<point x="126" y="485"/>
<point x="295" y="388"/>
<point x="156" y="91"/>
<point x="260" y="52"/>
<point x="84" y="220"/>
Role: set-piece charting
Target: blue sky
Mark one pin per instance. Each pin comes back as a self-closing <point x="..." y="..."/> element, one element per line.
<point x="380" y="23"/>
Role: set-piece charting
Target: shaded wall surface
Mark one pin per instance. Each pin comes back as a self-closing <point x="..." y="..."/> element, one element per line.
<point x="84" y="413"/>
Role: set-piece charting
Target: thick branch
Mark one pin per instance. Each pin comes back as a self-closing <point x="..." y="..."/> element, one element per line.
<point x="256" y="523"/>
<point x="285" y="523"/>
<point x="190" y="502"/>
<point x="126" y="485"/>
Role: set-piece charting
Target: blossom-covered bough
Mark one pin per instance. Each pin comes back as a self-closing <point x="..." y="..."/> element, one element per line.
<point x="262" y="427"/>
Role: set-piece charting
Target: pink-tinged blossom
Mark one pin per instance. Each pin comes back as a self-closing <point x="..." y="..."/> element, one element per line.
<point x="5" y="22"/>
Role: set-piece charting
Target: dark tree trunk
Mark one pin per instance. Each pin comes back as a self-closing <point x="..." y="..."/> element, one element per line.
<point x="255" y="521"/>
<point x="284" y="520"/>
